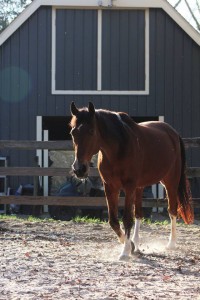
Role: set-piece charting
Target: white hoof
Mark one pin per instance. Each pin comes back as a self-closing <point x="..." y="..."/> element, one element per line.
<point x="171" y="245"/>
<point x="123" y="257"/>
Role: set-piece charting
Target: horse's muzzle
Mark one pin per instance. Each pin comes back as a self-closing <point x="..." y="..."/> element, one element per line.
<point x="81" y="171"/>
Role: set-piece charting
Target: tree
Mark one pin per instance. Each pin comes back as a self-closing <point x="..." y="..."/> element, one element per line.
<point x="9" y="10"/>
<point x="193" y="10"/>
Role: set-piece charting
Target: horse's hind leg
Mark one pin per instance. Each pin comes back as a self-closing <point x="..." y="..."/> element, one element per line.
<point x="138" y="215"/>
<point x="172" y="238"/>
<point x="172" y="194"/>
<point x="128" y="223"/>
<point x="112" y="196"/>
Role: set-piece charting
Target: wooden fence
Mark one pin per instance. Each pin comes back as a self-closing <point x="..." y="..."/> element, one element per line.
<point x="70" y="201"/>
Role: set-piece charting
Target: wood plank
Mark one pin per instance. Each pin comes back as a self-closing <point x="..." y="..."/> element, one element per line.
<point x="34" y="145"/>
<point x="36" y="171"/>
<point x="65" y="145"/>
<point x="191" y="142"/>
<point x="81" y="201"/>
<point x="193" y="172"/>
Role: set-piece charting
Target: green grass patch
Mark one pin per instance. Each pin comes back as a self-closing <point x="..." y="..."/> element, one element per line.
<point x="80" y="219"/>
<point x="86" y="219"/>
<point x="8" y="217"/>
<point x="25" y="218"/>
<point x="155" y="222"/>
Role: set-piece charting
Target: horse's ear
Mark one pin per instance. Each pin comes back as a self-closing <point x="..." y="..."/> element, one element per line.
<point x="91" y="108"/>
<point x="74" y="109"/>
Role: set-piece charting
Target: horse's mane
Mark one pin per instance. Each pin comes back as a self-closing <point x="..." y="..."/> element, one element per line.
<point x="112" y="126"/>
<point x="115" y="127"/>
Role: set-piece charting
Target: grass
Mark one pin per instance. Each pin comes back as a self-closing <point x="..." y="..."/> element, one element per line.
<point x="78" y="219"/>
<point x="8" y="217"/>
<point x="24" y="218"/>
<point x="156" y="222"/>
<point x="86" y="219"/>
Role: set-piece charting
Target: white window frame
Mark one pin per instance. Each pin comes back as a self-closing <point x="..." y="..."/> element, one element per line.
<point x="99" y="90"/>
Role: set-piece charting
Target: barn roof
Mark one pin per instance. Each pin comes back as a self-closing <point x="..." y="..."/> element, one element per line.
<point x="163" y="4"/>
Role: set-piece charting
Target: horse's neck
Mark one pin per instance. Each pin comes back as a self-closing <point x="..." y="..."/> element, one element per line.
<point x="113" y="133"/>
<point x="105" y="128"/>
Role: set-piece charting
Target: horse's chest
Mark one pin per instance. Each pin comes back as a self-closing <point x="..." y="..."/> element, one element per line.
<point x="114" y="173"/>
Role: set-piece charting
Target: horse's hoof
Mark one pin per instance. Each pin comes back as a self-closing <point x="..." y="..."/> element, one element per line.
<point x="124" y="257"/>
<point x="170" y="247"/>
<point x="132" y="247"/>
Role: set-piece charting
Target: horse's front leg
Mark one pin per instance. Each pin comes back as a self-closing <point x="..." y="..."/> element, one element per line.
<point x="112" y="197"/>
<point x="138" y="216"/>
<point x="128" y="224"/>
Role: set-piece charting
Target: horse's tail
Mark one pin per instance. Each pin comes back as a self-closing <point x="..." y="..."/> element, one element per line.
<point x="185" y="209"/>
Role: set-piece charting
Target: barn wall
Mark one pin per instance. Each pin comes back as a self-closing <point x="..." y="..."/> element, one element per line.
<point x="25" y="79"/>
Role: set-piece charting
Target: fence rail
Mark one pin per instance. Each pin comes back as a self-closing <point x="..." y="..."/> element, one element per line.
<point x="81" y="201"/>
<point x="70" y="201"/>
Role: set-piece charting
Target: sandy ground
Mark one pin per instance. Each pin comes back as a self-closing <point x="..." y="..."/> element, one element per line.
<point x="64" y="260"/>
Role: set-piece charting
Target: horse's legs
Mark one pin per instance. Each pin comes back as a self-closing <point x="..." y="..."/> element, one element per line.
<point x="112" y="196"/>
<point x="172" y="195"/>
<point x="138" y="216"/>
<point x="172" y="238"/>
<point x="128" y="223"/>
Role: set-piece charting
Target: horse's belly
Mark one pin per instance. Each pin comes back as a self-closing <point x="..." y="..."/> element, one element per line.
<point x="154" y="171"/>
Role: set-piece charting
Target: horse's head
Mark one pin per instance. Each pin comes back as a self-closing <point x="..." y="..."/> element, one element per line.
<point x="85" y="138"/>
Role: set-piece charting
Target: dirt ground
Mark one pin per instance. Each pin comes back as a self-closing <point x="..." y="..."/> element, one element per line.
<point x="65" y="260"/>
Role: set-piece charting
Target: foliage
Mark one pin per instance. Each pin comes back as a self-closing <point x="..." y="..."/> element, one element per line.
<point x="9" y="10"/>
<point x="191" y="10"/>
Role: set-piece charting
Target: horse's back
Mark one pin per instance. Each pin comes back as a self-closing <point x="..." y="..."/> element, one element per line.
<point x="160" y="149"/>
<point x="157" y="129"/>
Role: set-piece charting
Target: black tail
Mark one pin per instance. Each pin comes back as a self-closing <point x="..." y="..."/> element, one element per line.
<point x="184" y="193"/>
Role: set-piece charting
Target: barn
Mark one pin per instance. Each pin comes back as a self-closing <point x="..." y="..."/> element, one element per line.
<point x="137" y="56"/>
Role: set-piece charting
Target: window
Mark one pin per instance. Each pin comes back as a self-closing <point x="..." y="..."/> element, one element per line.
<point x="100" y="51"/>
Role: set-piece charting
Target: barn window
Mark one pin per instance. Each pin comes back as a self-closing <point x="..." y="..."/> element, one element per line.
<point x="100" y="51"/>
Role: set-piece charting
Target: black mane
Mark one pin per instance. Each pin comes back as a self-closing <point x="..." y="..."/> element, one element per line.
<point x="114" y="127"/>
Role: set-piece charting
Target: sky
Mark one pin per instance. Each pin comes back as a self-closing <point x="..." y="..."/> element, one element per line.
<point x="183" y="10"/>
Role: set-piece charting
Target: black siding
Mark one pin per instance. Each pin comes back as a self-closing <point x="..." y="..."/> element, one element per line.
<point x="123" y="50"/>
<point x="25" y="77"/>
<point x="76" y="48"/>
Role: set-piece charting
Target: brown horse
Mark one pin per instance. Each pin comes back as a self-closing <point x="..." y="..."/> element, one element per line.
<point x="130" y="157"/>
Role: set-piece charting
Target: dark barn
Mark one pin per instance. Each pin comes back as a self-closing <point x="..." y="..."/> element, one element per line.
<point x="138" y="56"/>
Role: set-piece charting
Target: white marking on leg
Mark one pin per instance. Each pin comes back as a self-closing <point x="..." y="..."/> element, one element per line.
<point x="122" y="237"/>
<point x="172" y="238"/>
<point x="136" y="238"/>
<point x="126" y="250"/>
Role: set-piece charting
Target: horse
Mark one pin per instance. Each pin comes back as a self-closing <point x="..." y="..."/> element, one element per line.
<point x="131" y="156"/>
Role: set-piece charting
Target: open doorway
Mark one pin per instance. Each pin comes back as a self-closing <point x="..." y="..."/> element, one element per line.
<point x="59" y="129"/>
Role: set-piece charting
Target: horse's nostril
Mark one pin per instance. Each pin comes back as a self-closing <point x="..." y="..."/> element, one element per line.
<point x="81" y="172"/>
<point x="83" y="169"/>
